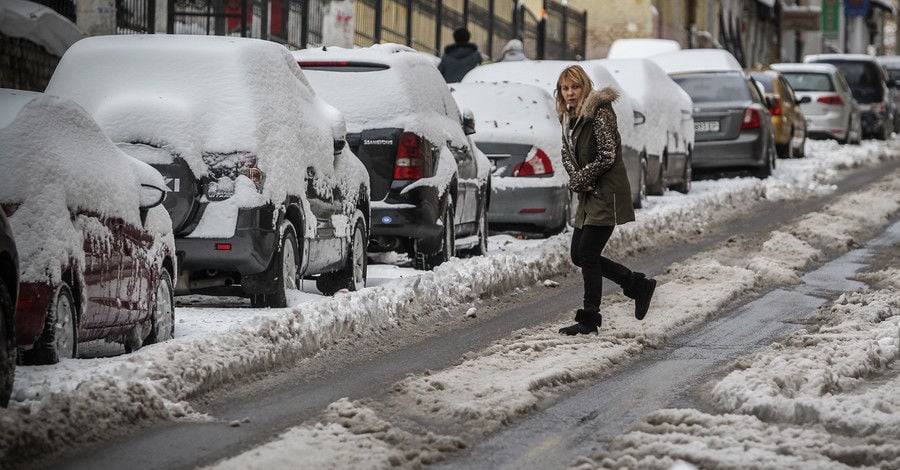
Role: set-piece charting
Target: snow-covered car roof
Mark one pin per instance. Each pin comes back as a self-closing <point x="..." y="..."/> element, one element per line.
<point x="505" y="111"/>
<point x="640" y="47"/>
<point x="204" y="94"/>
<point x="39" y="24"/>
<point x="410" y="91"/>
<point x="56" y="160"/>
<point x="697" y="60"/>
<point x="852" y="57"/>
<point x="795" y="67"/>
<point x="889" y="61"/>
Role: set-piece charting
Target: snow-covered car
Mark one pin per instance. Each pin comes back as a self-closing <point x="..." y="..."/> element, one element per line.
<point x="545" y="73"/>
<point x="9" y="294"/>
<point x="262" y="188"/>
<point x="891" y="64"/>
<point x="826" y="100"/>
<point x="96" y="251"/>
<point x="668" y="133"/>
<point x="868" y="81"/>
<point x="733" y="127"/>
<point x="517" y="128"/>
<point x="430" y="184"/>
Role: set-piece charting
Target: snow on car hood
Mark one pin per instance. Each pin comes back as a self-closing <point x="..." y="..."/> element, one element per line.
<point x="197" y="94"/>
<point x="57" y="162"/>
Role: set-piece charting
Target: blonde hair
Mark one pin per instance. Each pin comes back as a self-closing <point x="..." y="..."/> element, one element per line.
<point x="576" y="75"/>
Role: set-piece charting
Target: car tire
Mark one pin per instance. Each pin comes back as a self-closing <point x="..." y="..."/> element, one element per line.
<point x="59" y="339"/>
<point x="659" y="188"/>
<point x="785" y="150"/>
<point x="483" y="232"/>
<point x="8" y="351"/>
<point x="162" y="320"/>
<point x="684" y="186"/>
<point x="284" y="266"/>
<point x="766" y="170"/>
<point x="353" y="276"/>
<point x="427" y="261"/>
<point x="800" y="152"/>
<point x="641" y="195"/>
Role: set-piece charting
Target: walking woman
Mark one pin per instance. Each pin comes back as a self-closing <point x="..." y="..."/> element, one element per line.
<point x="592" y="155"/>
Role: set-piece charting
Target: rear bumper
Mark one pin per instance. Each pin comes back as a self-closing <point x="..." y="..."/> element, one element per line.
<point x="507" y="206"/>
<point x="873" y="123"/>
<point x="402" y="216"/>
<point x="826" y="126"/>
<point x="748" y="150"/>
<point x="250" y="249"/>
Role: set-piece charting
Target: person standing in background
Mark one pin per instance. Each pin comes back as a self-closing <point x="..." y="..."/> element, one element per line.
<point x="592" y="155"/>
<point x="514" y="50"/>
<point x="459" y="57"/>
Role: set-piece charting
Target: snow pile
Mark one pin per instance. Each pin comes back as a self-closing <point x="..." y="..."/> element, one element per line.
<point x="821" y="398"/>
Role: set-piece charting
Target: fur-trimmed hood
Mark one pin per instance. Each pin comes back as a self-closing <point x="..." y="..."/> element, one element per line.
<point x="596" y="99"/>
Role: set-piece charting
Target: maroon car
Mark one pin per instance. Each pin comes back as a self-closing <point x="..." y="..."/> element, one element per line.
<point x="95" y="246"/>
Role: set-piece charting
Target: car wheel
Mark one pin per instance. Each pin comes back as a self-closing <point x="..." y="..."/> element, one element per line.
<point x="659" y="187"/>
<point x="784" y="151"/>
<point x="482" y="247"/>
<point x="427" y="261"/>
<point x="641" y="194"/>
<point x="769" y="165"/>
<point x="353" y="276"/>
<point x="8" y="348"/>
<point x="162" y="327"/>
<point x="687" y="176"/>
<point x="800" y="151"/>
<point x="59" y="337"/>
<point x="285" y="266"/>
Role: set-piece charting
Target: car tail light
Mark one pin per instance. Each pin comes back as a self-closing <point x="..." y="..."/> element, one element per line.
<point x="537" y="163"/>
<point x="410" y="161"/>
<point x="224" y="169"/>
<point x="776" y="106"/>
<point x="752" y="119"/>
<point x="831" y="99"/>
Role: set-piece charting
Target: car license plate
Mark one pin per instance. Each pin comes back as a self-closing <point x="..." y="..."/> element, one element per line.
<point x="706" y="126"/>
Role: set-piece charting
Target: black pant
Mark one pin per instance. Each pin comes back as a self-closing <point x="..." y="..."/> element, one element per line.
<point x="587" y="248"/>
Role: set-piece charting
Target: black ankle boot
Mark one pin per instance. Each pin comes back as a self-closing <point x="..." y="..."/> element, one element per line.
<point x="587" y="322"/>
<point x="643" y="292"/>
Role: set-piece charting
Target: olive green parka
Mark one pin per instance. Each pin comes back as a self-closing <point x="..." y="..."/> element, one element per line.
<point x="592" y="155"/>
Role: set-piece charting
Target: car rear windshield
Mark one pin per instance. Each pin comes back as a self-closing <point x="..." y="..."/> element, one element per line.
<point x="707" y="87"/>
<point x="807" y="81"/>
<point x="864" y="79"/>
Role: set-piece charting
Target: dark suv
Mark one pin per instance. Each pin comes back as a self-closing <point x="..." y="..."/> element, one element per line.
<point x="868" y="81"/>
<point x="262" y="189"/>
<point x="9" y="293"/>
<point x="430" y="184"/>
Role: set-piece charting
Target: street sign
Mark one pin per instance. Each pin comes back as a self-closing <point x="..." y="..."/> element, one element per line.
<point x="856" y="7"/>
<point x="831" y="19"/>
<point x="803" y="18"/>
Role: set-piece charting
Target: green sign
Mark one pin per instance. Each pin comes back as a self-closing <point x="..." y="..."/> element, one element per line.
<point x="831" y="19"/>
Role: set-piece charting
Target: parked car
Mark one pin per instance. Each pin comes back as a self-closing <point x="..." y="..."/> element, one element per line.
<point x="731" y="117"/>
<point x="517" y="128"/>
<point x="96" y="248"/>
<point x="430" y="183"/>
<point x="787" y="117"/>
<point x="262" y="189"/>
<point x="9" y="295"/>
<point x="868" y="81"/>
<point x="891" y="64"/>
<point x="545" y="73"/>
<point x="668" y="133"/>
<point x="826" y="101"/>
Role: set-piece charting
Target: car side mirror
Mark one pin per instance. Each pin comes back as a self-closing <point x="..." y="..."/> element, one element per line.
<point x="151" y="196"/>
<point x="804" y="100"/>
<point x="468" y="122"/>
<point x="639" y="118"/>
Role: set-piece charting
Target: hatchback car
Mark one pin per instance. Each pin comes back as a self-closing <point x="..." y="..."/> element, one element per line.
<point x="731" y="117"/>
<point x="826" y="101"/>
<point x="430" y="183"/>
<point x="96" y="249"/>
<point x="668" y="134"/>
<point x="262" y="188"/>
<point x="545" y="73"/>
<point x="868" y="81"/>
<point x="787" y="117"/>
<point x="9" y="295"/>
<point x="517" y="128"/>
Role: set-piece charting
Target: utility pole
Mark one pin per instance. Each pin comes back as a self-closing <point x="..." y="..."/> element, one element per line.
<point x="542" y="32"/>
